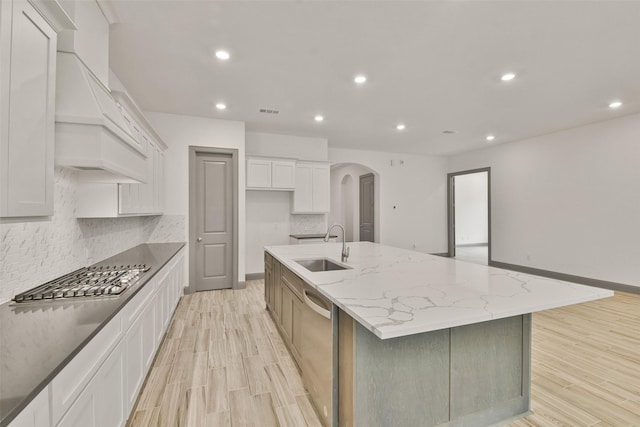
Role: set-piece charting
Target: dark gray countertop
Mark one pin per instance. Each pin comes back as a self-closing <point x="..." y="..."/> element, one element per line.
<point x="38" y="339"/>
<point x="311" y="236"/>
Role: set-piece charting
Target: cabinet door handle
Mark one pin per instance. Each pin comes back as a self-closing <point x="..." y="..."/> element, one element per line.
<point x="199" y="239"/>
<point x="315" y="307"/>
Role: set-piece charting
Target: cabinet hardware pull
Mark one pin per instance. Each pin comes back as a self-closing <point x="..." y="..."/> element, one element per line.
<point x="315" y="307"/>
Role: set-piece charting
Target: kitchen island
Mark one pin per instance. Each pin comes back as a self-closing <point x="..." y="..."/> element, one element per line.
<point x="424" y="340"/>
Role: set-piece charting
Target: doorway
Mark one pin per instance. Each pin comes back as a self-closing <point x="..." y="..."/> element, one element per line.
<point x="213" y="229"/>
<point x="347" y="198"/>
<point x="367" y="210"/>
<point x="469" y="215"/>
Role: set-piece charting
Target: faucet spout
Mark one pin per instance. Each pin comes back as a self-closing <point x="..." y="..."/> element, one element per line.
<point x="345" y="249"/>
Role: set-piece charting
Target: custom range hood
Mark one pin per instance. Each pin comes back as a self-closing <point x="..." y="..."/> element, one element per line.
<point x="91" y="133"/>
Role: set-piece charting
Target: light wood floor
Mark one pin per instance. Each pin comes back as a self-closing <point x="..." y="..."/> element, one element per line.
<point x="223" y="363"/>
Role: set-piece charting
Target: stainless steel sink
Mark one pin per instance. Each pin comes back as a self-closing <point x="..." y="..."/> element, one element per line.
<point x="321" y="264"/>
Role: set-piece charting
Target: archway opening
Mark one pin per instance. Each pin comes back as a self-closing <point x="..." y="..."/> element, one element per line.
<point x="354" y="198"/>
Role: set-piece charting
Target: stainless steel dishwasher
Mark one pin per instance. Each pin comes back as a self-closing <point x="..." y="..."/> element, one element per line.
<point x="317" y="352"/>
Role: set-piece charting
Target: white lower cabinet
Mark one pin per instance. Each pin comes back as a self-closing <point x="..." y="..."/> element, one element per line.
<point x="160" y="304"/>
<point x="36" y="414"/>
<point x="149" y="343"/>
<point x="135" y="360"/>
<point x="99" y="387"/>
<point x="140" y="348"/>
<point x="70" y="383"/>
<point x="109" y="383"/>
<point x="82" y="412"/>
<point x="101" y="403"/>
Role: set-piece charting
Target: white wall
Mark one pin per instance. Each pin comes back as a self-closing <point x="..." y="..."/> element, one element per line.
<point x="289" y="146"/>
<point x="412" y="197"/>
<point x="569" y="201"/>
<point x="268" y="223"/>
<point x="180" y="132"/>
<point x="471" y="201"/>
<point x="268" y="217"/>
<point x="345" y="200"/>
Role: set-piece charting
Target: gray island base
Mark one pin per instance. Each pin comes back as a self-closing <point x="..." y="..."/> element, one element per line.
<point x="470" y="375"/>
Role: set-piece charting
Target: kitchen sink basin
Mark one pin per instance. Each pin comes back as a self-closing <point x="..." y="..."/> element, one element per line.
<point x="321" y="264"/>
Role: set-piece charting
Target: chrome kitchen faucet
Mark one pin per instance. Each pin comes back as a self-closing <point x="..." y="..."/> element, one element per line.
<point x="345" y="249"/>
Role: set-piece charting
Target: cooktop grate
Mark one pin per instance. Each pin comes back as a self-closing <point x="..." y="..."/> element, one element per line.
<point x="87" y="282"/>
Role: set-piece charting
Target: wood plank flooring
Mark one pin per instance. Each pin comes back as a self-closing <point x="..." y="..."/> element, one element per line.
<point x="223" y="363"/>
<point x="586" y="364"/>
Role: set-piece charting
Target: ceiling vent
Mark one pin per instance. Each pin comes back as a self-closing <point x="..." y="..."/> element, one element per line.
<point x="269" y="111"/>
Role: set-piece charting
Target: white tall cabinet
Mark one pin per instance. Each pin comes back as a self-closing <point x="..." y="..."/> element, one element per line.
<point x="27" y="110"/>
<point x="313" y="186"/>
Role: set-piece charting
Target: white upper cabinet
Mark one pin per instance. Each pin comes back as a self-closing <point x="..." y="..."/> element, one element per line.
<point x="109" y="200"/>
<point x="270" y="174"/>
<point x="258" y="173"/>
<point x="283" y="173"/>
<point x="27" y="110"/>
<point x="312" y="191"/>
<point x="145" y="199"/>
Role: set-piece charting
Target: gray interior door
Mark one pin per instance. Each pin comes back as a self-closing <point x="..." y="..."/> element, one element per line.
<point x="367" y="187"/>
<point x="214" y="222"/>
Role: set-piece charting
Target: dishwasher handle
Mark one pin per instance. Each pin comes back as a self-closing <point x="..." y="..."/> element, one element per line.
<point x="315" y="307"/>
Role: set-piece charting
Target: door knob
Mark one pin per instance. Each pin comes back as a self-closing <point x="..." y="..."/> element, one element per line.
<point x="199" y="239"/>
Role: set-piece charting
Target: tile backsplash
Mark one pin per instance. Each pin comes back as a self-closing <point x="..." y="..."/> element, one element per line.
<point x="308" y="224"/>
<point x="40" y="249"/>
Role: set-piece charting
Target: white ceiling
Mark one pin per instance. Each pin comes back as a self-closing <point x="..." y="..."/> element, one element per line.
<point x="433" y="65"/>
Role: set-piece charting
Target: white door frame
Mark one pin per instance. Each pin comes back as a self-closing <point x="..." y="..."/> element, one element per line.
<point x="193" y="150"/>
<point x="451" y="211"/>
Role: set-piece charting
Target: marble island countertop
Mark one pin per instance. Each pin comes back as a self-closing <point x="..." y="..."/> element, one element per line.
<point x="396" y="292"/>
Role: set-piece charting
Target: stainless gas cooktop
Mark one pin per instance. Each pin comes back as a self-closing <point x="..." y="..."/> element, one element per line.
<point x="106" y="280"/>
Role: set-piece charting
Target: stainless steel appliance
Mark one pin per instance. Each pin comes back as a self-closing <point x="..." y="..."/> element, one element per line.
<point x="96" y="281"/>
<point x="317" y="352"/>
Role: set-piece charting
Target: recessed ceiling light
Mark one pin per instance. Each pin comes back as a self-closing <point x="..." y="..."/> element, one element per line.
<point x="222" y="54"/>
<point x="615" y="104"/>
<point x="490" y="137"/>
<point x="400" y="126"/>
<point x="360" y="79"/>
<point x="318" y="118"/>
<point x="507" y="77"/>
<point x="221" y="106"/>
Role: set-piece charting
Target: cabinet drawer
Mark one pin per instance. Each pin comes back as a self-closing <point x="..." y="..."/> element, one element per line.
<point x="293" y="281"/>
<point x="138" y="303"/>
<point x="70" y="382"/>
